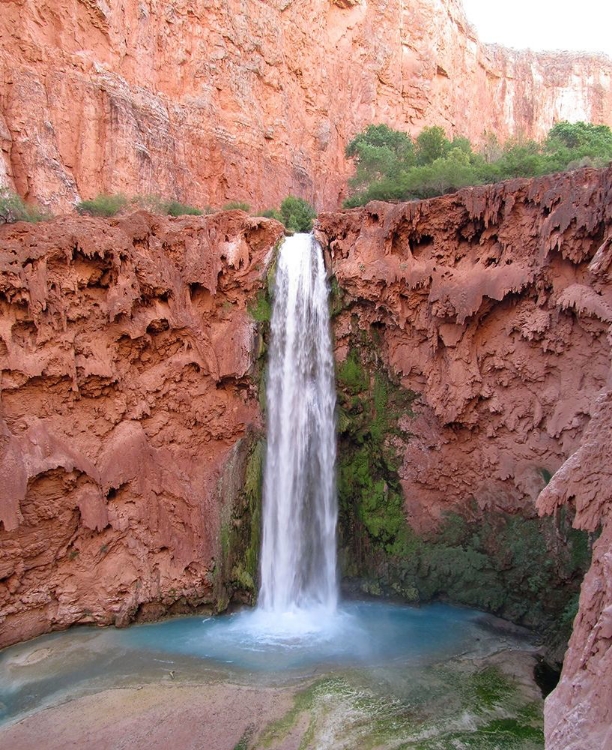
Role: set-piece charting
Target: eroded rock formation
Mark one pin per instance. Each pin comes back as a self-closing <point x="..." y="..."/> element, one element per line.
<point x="579" y="712"/>
<point x="210" y="102"/>
<point x="495" y="305"/>
<point x="126" y="350"/>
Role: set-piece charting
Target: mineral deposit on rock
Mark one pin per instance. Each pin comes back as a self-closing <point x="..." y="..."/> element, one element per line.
<point x="126" y="349"/>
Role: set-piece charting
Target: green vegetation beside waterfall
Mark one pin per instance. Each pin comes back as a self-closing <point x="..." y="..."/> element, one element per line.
<point x="391" y="166"/>
<point x="526" y="569"/>
<point x="295" y="213"/>
<point x="239" y="490"/>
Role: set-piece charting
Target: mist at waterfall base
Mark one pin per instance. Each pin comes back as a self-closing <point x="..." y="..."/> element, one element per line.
<point x="298" y="627"/>
<point x="298" y="620"/>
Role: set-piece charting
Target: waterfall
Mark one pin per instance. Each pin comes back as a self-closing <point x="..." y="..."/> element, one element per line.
<point x="298" y="554"/>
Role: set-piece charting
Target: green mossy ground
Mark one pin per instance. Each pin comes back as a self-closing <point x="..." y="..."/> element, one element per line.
<point x="449" y="706"/>
<point x="526" y="569"/>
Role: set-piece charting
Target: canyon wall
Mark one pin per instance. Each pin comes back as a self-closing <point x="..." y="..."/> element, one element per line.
<point x="478" y="322"/>
<point x="208" y="102"/>
<point x="492" y="307"/>
<point x="129" y="412"/>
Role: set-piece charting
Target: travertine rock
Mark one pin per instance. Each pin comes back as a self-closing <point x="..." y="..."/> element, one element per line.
<point x="126" y="349"/>
<point x="495" y="305"/>
<point x="490" y="311"/>
<point x="579" y="711"/>
<point x="207" y="102"/>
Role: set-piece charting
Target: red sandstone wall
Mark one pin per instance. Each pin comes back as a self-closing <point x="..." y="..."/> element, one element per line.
<point x="207" y="102"/>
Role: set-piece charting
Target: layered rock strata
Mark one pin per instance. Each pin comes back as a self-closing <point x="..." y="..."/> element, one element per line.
<point x="126" y="352"/>
<point x="495" y="306"/>
<point x="209" y="102"/>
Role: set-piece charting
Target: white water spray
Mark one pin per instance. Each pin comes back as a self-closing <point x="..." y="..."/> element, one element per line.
<point x="298" y="555"/>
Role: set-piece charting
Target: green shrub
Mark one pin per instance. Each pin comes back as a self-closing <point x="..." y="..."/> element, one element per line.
<point x="379" y="152"/>
<point x="272" y="213"/>
<point x="174" y="208"/>
<point x="431" y="144"/>
<point x="237" y="205"/>
<point x="297" y="214"/>
<point x="103" y="205"/>
<point x="13" y="208"/>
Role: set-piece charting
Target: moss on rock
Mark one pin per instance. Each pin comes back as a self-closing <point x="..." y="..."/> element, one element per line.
<point x="239" y="540"/>
<point x="525" y="569"/>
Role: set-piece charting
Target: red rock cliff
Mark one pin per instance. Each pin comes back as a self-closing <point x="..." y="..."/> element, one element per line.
<point x="207" y="102"/>
<point x="495" y="305"/>
<point x="126" y="349"/>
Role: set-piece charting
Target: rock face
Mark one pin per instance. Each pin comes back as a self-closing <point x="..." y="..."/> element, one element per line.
<point x="489" y="310"/>
<point x="495" y="306"/>
<point x="129" y="402"/>
<point x="579" y="712"/>
<point x="209" y="102"/>
<point x="127" y="353"/>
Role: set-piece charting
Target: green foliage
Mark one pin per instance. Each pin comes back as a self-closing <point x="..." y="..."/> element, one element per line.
<point x="13" y="208"/>
<point x="272" y="213"/>
<point x="111" y="205"/>
<point x="527" y="569"/>
<point x="435" y="165"/>
<point x="371" y="500"/>
<point x="351" y="375"/>
<point x="297" y="214"/>
<point x="103" y="205"/>
<point x="261" y="309"/>
<point x="431" y="144"/>
<point x="236" y="570"/>
<point x="237" y="205"/>
<point x="175" y="208"/>
<point x="582" y="139"/>
<point x="379" y="152"/>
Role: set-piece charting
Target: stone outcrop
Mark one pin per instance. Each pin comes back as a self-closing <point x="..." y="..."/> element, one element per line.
<point x="209" y="102"/>
<point x="579" y="712"/>
<point x="126" y="351"/>
<point x="495" y="305"/>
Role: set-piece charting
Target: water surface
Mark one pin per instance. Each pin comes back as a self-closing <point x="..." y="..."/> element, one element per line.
<point x="252" y="647"/>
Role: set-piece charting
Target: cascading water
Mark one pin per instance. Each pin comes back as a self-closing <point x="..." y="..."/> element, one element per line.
<point x="298" y="555"/>
<point x="297" y="625"/>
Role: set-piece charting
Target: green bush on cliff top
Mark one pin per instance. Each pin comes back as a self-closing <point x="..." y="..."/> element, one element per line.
<point x="13" y="208"/>
<point x="295" y="213"/>
<point x="103" y="205"/>
<point x="391" y="166"/>
<point x="106" y="205"/>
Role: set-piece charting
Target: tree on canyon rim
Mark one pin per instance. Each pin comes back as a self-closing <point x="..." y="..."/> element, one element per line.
<point x="391" y="166"/>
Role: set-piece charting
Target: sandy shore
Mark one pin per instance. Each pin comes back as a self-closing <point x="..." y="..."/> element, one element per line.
<point x="166" y="715"/>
